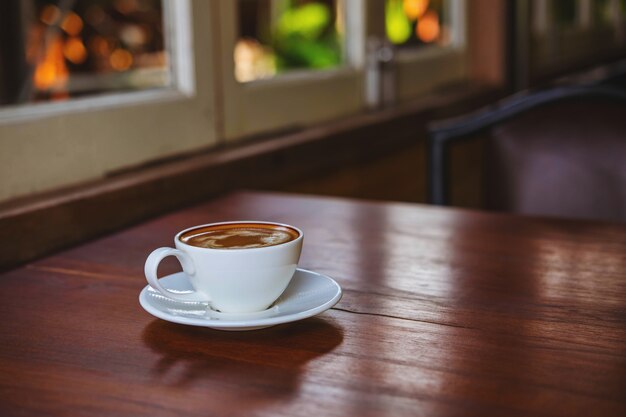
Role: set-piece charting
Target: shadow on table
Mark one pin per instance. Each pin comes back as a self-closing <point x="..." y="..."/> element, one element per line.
<point x="242" y="369"/>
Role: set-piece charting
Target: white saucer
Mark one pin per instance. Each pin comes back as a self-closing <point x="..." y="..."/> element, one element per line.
<point x="308" y="294"/>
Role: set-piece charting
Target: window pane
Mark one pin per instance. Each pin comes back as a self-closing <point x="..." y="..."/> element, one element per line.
<point x="276" y="36"/>
<point x="603" y="13"/>
<point x="564" y="12"/>
<point x="61" y="49"/>
<point x="416" y="23"/>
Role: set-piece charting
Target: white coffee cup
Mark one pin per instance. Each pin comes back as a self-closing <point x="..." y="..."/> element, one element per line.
<point x="231" y="280"/>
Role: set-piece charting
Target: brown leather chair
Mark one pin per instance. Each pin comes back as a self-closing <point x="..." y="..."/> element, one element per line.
<point x="558" y="152"/>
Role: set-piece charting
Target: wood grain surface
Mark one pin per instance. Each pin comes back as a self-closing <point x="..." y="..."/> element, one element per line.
<point x="445" y="313"/>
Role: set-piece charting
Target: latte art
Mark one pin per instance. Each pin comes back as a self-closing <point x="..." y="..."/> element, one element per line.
<point x="239" y="236"/>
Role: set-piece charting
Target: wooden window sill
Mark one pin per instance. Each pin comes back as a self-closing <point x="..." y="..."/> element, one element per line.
<point x="67" y="216"/>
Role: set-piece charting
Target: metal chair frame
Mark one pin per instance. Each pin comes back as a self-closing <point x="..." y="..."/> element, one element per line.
<point x="444" y="133"/>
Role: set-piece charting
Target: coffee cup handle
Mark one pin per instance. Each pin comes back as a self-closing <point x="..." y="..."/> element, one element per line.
<point x="150" y="269"/>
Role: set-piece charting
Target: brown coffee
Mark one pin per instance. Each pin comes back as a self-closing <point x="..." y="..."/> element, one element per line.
<point x="239" y="236"/>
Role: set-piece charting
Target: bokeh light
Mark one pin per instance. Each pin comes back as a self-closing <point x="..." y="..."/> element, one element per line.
<point x="414" y="9"/>
<point x="121" y="60"/>
<point x="74" y="50"/>
<point x="50" y="14"/>
<point x="78" y="48"/>
<point x="279" y="36"/>
<point x="428" y="27"/>
<point x="416" y="23"/>
<point x="72" y="24"/>
<point x="52" y="70"/>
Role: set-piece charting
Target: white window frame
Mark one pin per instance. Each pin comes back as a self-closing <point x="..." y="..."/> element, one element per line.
<point x="43" y="146"/>
<point x="295" y="98"/>
<point x="434" y="66"/>
<point x="176" y="16"/>
<point x="268" y="104"/>
<point x="48" y="145"/>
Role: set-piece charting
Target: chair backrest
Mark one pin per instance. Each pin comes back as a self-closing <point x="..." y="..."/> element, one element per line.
<point x="559" y="152"/>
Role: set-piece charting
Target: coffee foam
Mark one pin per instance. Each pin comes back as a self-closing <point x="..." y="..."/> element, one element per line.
<point x="237" y="236"/>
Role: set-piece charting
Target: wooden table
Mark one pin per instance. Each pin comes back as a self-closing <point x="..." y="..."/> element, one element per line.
<point x="445" y="312"/>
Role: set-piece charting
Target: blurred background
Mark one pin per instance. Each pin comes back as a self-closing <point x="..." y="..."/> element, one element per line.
<point x="331" y="97"/>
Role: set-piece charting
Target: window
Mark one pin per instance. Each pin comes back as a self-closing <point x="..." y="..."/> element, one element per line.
<point x="286" y="74"/>
<point x="429" y="39"/>
<point x="603" y="13"/>
<point x="278" y="74"/>
<point x="88" y="49"/>
<point x="565" y="13"/>
<point x="103" y="85"/>
<point x="65" y="135"/>
<point x="278" y="37"/>
<point x="565" y="32"/>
